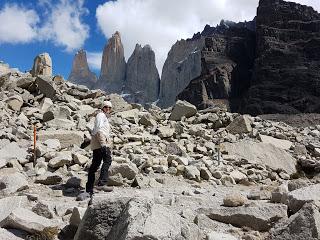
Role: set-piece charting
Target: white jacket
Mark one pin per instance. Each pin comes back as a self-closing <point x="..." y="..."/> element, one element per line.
<point x="101" y="131"/>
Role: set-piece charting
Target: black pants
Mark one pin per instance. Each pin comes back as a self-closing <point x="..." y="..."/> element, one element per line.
<point x="98" y="155"/>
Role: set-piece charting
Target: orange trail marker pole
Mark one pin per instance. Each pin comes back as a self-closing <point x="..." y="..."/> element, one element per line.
<point x="34" y="144"/>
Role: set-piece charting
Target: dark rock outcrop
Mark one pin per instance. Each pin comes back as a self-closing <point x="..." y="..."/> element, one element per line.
<point x="113" y="66"/>
<point x="286" y="76"/>
<point x="80" y="73"/>
<point x="227" y="62"/>
<point x="274" y="69"/>
<point x="142" y="77"/>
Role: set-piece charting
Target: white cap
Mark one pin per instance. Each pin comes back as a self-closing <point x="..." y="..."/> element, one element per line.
<point x="107" y="104"/>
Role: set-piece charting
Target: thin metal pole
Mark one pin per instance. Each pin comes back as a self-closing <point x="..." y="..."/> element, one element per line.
<point x="218" y="148"/>
<point x="34" y="144"/>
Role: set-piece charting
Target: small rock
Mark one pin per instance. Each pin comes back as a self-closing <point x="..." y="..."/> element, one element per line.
<point x="77" y="215"/>
<point x="79" y="159"/>
<point x="241" y="124"/>
<point x="238" y="176"/>
<point x="15" y="102"/>
<point x="49" y="179"/>
<point x="182" y="109"/>
<point x="127" y="170"/>
<point x="234" y="200"/>
<point x="43" y="209"/>
<point x="192" y="172"/>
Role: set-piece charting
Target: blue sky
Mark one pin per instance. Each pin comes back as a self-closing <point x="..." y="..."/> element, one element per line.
<point x="62" y="27"/>
<point x="20" y="54"/>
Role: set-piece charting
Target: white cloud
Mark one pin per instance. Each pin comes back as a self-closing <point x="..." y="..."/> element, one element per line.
<point x="64" y="26"/>
<point x="18" y="25"/>
<point x="162" y="23"/>
<point x="94" y="60"/>
<point x="61" y="23"/>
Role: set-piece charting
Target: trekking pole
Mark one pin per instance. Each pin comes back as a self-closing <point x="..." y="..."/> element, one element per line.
<point x="218" y="152"/>
<point x="34" y="144"/>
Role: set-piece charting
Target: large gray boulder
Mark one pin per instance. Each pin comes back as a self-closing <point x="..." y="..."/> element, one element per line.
<point x="47" y="87"/>
<point x="297" y="198"/>
<point x="259" y="216"/>
<point x="49" y="179"/>
<point x="280" y="143"/>
<point x="7" y="235"/>
<point x="11" y="181"/>
<point x="8" y="204"/>
<point x="12" y="151"/>
<point x="62" y="158"/>
<point x="241" y="124"/>
<point x="26" y="220"/>
<point x="66" y="138"/>
<point x="129" y="220"/>
<point x="60" y="112"/>
<point x="118" y="103"/>
<point x="262" y="153"/>
<point x="127" y="170"/>
<point x="130" y="115"/>
<point x="304" y="224"/>
<point x="182" y="109"/>
<point x="25" y="82"/>
<point x="15" y="102"/>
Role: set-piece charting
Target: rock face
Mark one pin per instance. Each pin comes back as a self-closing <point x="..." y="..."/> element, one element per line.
<point x="27" y="220"/>
<point x="226" y="65"/>
<point x="42" y="65"/>
<point x="142" y="77"/>
<point x="136" y="219"/>
<point x="297" y="198"/>
<point x="286" y="75"/>
<point x="113" y="66"/>
<point x="80" y="73"/>
<point x="248" y="69"/>
<point x="182" y="65"/>
<point x="267" y="154"/>
<point x="66" y="138"/>
<point x="11" y="181"/>
<point x="46" y="86"/>
<point x="305" y="224"/>
<point x="258" y="217"/>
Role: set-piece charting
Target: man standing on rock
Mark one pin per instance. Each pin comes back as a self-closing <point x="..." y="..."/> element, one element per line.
<point x="100" y="144"/>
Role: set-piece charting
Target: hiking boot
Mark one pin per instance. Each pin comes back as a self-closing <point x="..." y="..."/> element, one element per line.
<point x="104" y="188"/>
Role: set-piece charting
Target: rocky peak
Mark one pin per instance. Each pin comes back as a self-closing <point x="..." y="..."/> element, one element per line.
<point x="142" y="81"/>
<point x="80" y="73"/>
<point x="42" y="65"/>
<point x="181" y="66"/>
<point x="113" y="66"/>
